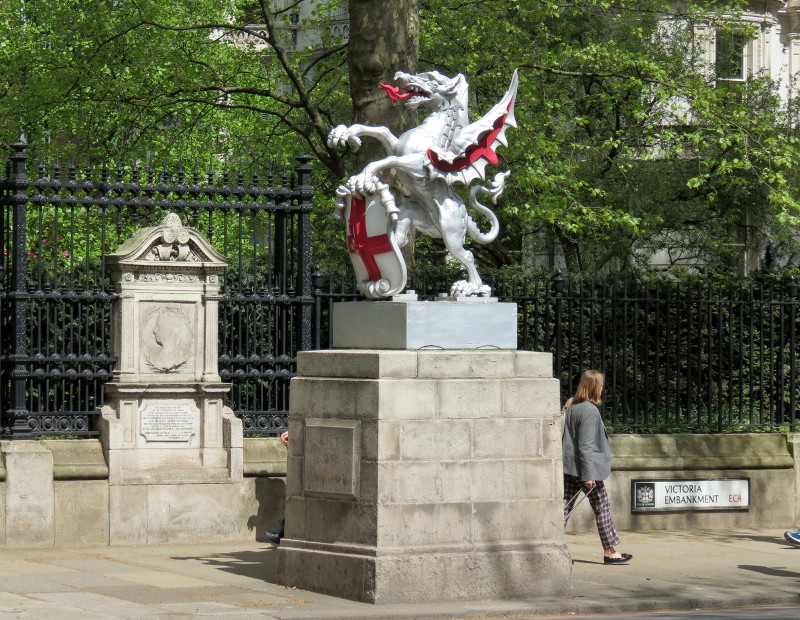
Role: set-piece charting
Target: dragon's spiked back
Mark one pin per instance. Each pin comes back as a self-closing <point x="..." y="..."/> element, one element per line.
<point x="472" y="148"/>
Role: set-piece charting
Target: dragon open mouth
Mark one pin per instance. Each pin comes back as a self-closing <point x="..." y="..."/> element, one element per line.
<point x="395" y="94"/>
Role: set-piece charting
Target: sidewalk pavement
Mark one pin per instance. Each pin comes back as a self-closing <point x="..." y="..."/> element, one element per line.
<point x="670" y="570"/>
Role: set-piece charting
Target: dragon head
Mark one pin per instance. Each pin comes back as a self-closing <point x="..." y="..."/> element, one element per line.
<point x="430" y="88"/>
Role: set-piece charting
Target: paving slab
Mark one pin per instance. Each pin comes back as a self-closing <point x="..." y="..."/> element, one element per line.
<point x="670" y="571"/>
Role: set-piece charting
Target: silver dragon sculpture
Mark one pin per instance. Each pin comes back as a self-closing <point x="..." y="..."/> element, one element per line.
<point x="445" y="149"/>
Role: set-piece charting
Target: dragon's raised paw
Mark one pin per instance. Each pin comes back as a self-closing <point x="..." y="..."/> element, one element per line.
<point x="340" y="136"/>
<point x="363" y="183"/>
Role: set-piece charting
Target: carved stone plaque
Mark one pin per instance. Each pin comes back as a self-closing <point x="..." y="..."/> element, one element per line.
<point x="168" y="421"/>
<point x="332" y="458"/>
<point x="167" y="338"/>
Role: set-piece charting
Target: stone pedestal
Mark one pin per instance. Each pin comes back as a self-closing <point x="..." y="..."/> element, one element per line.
<point x="424" y="476"/>
<point x="465" y="323"/>
<point x="174" y="451"/>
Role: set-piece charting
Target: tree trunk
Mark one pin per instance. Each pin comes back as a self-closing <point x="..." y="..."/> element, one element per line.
<point x="384" y="38"/>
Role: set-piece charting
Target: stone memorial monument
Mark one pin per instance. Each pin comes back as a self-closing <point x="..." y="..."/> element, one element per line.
<point x="174" y="452"/>
<point x="424" y="452"/>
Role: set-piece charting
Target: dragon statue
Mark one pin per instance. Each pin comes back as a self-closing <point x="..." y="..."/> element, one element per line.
<point x="444" y="150"/>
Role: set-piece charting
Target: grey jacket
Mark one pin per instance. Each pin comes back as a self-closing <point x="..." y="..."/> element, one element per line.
<point x="584" y="441"/>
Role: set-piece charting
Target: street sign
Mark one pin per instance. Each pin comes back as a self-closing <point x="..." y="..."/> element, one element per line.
<point x="679" y="495"/>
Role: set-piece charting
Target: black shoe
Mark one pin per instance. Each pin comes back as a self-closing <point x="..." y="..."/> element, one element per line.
<point x="625" y="557"/>
<point x="273" y="537"/>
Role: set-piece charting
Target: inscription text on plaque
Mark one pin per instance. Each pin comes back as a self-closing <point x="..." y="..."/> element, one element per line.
<point x="173" y="421"/>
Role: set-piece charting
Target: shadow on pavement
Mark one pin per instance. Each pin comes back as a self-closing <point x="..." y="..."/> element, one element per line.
<point x="772" y="572"/>
<point x="730" y="537"/>
<point x="765" y="539"/>
<point x="259" y="565"/>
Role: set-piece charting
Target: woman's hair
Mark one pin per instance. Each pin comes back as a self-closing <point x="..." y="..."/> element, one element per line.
<point x="590" y="388"/>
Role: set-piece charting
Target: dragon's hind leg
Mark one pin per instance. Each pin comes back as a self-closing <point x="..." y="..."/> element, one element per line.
<point x="413" y="215"/>
<point x="453" y="224"/>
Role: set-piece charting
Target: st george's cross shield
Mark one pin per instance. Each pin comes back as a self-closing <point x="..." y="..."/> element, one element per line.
<point x="379" y="265"/>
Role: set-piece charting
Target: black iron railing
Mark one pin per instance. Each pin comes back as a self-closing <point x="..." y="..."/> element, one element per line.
<point x="55" y="296"/>
<point x="680" y="355"/>
<point x="691" y="355"/>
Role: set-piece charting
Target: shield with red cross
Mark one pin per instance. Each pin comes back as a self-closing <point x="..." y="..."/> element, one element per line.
<point x="378" y="263"/>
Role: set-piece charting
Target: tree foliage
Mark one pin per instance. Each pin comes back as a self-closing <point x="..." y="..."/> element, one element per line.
<point x="184" y="79"/>
<point x="624" y="144"/>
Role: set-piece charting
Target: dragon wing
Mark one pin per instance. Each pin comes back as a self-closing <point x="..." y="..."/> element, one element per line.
<point x="474" y="146"/>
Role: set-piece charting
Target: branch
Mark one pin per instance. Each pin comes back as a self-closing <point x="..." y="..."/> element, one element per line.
<point x="239" y="90"/>
<point x="323" y="56"/>
<point x="310" y="107"/>
<point x="593" y="74"/>
<point x="316" y="138"/>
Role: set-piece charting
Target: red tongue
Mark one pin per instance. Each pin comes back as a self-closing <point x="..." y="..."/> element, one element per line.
<point x="394" y="92"/>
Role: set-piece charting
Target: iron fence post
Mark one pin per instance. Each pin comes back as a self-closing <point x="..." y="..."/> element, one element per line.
<point x="318" y="280"/>
<point x="18" y="413"/>
<point x="306" y="193"/>
<point x="5" y="346"/>
<point x="793" y="353"/>
<point x="558" y="289"/>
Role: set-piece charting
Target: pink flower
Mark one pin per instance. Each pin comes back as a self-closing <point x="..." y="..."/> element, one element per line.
<point x="31" y="254"/>
<point x="44" y="240"/>
<point x="65" y="254"/>
<point x="5" y="252"/>
<point x="59" y="237"/>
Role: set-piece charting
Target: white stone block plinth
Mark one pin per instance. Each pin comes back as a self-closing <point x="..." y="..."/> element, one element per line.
<point x="475" y="324"/>
<point x="424" y="476"/>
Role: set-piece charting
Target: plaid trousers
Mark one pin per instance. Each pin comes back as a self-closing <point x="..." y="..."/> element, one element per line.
<point x="598" y="499"/>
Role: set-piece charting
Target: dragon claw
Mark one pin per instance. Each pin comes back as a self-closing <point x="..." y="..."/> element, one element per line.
<point x="340" y="136"/>
<point x="363" y="184"/>
<point x="465" y="288"/>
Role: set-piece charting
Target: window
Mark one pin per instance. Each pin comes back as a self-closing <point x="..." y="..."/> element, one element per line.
<point x="730" y="58"/>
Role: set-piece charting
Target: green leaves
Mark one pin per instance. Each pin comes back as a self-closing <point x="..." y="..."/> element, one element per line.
<point x="623" y="139"/>
<point x="161" y="80"/>
<point x="623" y="136"/>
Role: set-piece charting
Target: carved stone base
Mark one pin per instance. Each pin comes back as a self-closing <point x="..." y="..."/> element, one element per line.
<point x="451" y="574"/>
<point x="170" y="434"/>
<point x="425" y="324"/>
<point x="175" y="463"/>
<point x="424" y="476"/>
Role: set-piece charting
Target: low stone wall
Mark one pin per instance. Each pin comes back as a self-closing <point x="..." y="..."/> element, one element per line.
<point x="770" y="461"/>
<point x="56" y="492"/>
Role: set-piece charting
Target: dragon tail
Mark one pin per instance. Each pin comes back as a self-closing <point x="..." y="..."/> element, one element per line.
<point x="495" y="189"/>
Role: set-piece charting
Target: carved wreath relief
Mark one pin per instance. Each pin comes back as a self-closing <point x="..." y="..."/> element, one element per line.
<point x="174" y="244"/>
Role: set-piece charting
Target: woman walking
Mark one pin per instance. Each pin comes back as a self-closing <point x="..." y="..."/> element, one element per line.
<point x="587" y="460"/>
